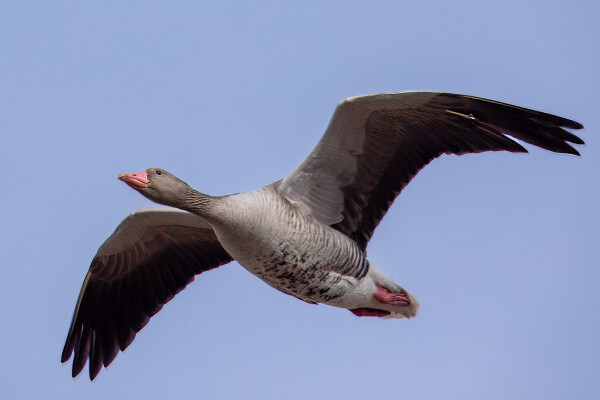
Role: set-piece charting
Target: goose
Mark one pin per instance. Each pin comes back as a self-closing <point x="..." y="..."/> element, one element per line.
<point x="305" y="235"/>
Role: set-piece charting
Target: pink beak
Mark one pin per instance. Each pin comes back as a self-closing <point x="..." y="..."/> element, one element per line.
<point x="136" y="181"/>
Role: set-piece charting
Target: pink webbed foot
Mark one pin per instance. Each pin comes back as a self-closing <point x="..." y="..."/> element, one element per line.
<point x="384" y="296"/>
<point x="369" y="312"/>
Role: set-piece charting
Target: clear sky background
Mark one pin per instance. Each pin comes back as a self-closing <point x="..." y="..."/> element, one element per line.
<point x="502" y="250"/>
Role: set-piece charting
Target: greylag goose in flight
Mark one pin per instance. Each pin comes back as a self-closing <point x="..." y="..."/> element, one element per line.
<point x="305" y="235"/>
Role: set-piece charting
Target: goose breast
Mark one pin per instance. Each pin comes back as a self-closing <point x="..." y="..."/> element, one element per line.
<point x="289" y="250"/>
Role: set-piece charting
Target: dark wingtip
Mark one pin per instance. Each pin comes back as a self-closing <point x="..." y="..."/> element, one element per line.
<point x="76" y="370"/>
<point x="68" y="349"/>
<point x="573" y="139"/>
<point x="94" y="372"/>
<point x="565" y="148"/>
<point x="79" y="361"/>
<point x="66" y="353"/>
<point x="569" y="123"/>
<point x="573" y="151"/>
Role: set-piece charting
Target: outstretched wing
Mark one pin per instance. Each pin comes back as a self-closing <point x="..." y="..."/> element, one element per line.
<point x="376" y="144"/>
<point x="152" y="255"/>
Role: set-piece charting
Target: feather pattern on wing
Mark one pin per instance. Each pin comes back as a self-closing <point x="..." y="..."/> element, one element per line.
<point x="152" y="255"/>
<point x="376" y="144"/>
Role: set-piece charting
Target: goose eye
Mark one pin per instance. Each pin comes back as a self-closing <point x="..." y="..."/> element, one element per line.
<point x="158" y="172"/>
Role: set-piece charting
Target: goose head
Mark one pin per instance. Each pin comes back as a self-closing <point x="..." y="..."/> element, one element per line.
<point x="158" y="185"/>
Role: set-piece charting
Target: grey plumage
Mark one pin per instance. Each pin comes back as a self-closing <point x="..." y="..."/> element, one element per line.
<point x="305" y="235"/>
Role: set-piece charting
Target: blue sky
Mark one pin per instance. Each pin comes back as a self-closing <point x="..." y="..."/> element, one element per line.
<point x="502" y="250"/>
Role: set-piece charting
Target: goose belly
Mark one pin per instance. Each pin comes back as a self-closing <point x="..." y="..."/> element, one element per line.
<point x="295" y="254"/>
